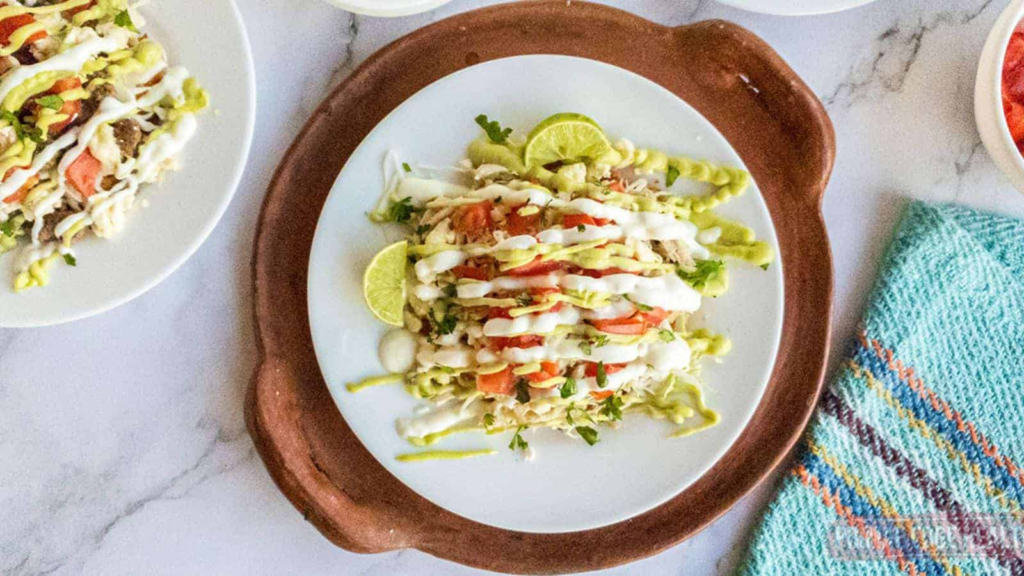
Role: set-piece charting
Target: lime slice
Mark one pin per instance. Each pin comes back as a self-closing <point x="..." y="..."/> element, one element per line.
<point x="384" y="283"/>
<point x="565" y="137"/>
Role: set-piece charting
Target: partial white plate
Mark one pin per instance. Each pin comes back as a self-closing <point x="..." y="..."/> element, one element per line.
<point x="796" y="7"/>
<point x="187" y="205"/>
<point x="569" y="486"/>
<point x="388" y="7"/>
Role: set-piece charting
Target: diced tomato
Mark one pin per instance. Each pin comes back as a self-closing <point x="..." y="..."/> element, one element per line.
<point x="474" y="218"/>
<point x="497" y="383"/>
<point x="617" y="186"/>
<point x="23" y="191"/>
<point x="1015" y="121"/>
<point x="499" y="313"/>
<point x="9" y="26"/>
<point x="601" y="394"/>
<point x="605" y="272"/>
<point x="544" y="291"/>
<point x="632" y="326"/>
<point x="591" y="369"/>
<point x="83" y="173"/>
<point x="1014" y="52"/>
<point x="72" y="11"/>
<point x="548" y="370"/>
<point x="541" y="293"/>
<point x="654" y="316"/>
<point x="519" y="225"/>
<point x="71" y="108"/>
<point x="574" y="220"/>
<point x="536" y="268"/>
<point x="472" y="272"/>
<point x="500" y="343"/>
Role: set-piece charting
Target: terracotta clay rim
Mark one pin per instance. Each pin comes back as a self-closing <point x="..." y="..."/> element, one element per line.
<point x="728" y="74"/>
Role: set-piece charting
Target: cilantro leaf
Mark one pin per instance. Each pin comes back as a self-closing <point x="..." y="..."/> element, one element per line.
<point x="8" y="228"/>
<point x="671" y="175"/>
<point x="568" y="413"/>
<point x="450" y="291"/>
<point x="568" y="388"/>
<point x="446" y="325"/>
<point x="518" y="443"/>
<point x="588" y="434"/>
<point x="612" y="407"/>
<point x="70" y="260"/>
<point x="494" y="131"/>
<point x="602" y="375"/>
<point x="406" y="167"/>
<point x="488" y="420"/>
<point x="124" y="20"/>
<point x="585" y="347"/>
<point x="423" y="229"/>
<point x="764" y="267"/>
<point x="705" y="271"/>
<point x="639" y="306"/>
<point x="666" y="335"/>
<point x="20" y="130"/>
<point x="52" y="101"/>
<point x="522" y="391"/>
<point x="401" y="211"/>
<point x="601" y="340"/>
<point x="581" y="228"/>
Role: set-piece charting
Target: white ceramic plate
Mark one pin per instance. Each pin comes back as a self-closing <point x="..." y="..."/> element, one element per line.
<point x="569" y="486"/>
<point x="388" y="7"/>
<point x="796" y="7"/>
<point x="184" y="209"/>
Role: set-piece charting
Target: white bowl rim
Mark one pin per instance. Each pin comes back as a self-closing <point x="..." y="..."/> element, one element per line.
<point x="778" y="9"/>
<point x="1010" y="19"/>
<point x="365" y="8"/>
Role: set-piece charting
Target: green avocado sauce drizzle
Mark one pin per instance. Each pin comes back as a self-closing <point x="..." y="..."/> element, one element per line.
<point x="736" y="241"/>
<point x="443" y="455"/>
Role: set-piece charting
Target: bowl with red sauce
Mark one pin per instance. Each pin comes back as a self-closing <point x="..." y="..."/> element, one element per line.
<point x="999" y="94"/>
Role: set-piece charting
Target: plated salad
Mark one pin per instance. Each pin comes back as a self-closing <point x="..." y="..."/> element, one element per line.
<point x="90" y="111"/>
<point x="550" y="282"/>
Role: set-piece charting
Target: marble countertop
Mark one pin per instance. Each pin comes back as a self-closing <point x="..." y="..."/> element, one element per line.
<point x="126" y="452"/>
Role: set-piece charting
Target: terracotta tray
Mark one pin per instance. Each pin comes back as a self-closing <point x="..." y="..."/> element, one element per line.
<point x="735" y="80"/>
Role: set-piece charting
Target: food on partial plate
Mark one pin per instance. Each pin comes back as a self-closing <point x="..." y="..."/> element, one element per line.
<point x="551" y="282"/>
<point x="1013" y="87"/>
<point x="90" y="111"/>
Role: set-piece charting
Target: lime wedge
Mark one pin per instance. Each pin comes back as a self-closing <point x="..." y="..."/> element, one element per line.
<point x="384" y="283"/>
<point x="565" y="137"/>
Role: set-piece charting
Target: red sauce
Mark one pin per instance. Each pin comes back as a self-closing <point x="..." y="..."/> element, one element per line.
<point x="1013" y="87"/>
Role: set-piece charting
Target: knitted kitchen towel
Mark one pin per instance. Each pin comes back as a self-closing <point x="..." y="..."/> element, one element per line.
<point x="914" y="461"/>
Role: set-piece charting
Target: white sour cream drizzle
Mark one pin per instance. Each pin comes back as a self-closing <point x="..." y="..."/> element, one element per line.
<point x="645" y="225"/>
<point x="532" y="323"/>
<point x="449" y="356"/>
<point x="107" y="208"/>
<point x="397" y="351"/>
<point x="628" y="224"/>
<point x="668" y="292"/>
<point x="438" y="420"/>
<point x="71" y="60"/>
<point x="567" y="349"/>
<point x="659" y="358"/>
<point x="428" y="268"/>
<point x="20" y="177"/>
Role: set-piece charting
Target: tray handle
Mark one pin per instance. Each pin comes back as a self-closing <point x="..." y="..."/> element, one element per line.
<point x="288" y="456"/>
<point x="744" y="64"/>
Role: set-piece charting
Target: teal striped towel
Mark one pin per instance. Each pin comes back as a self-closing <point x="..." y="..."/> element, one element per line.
<point x="914" y="462"/>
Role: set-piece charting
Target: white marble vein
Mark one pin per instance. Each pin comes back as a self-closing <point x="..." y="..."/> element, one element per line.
<point x="122" y="444"/>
